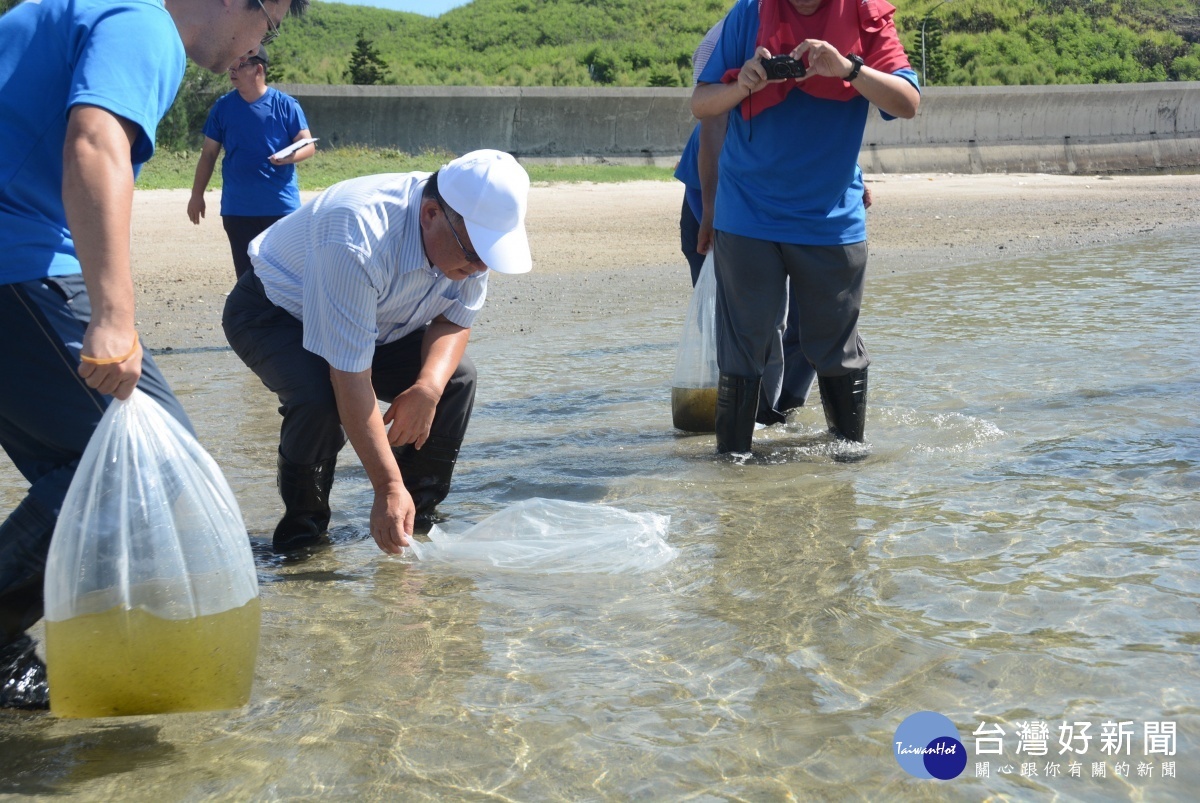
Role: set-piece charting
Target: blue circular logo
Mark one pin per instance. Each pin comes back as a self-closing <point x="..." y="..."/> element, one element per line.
<point x="928" y="745"/>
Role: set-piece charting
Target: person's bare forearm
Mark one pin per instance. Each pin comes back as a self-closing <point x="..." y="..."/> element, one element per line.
<point x="204" y="172"/>
<point x="712" y="139"/>
<point x="98" y="200"/>
<point x="204" y="169"/>
<point x="889" y="92"/>
<point x="296" y="157"/>
<point x="97" y="193"/>
<point x="363" y="423"/>
<point x="300" y="155"/>
<point x="441" y="352"/>
<point x="710" y="100"/>
<point x="392" y="512"/>
<point x="305" y="152"/>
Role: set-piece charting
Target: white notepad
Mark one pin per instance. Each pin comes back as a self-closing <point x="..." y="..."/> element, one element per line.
<point x="295" y="146"/>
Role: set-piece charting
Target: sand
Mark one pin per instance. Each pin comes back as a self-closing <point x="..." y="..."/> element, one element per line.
<point x="596" y="244"/>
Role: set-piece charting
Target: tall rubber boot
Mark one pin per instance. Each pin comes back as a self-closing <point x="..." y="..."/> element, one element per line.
<point x="845" y="401"/>
<point x="427" y="472"/>
<point x="305" y="494"/>
<point x="23" y="677"/>
<point x="737" y="406"/>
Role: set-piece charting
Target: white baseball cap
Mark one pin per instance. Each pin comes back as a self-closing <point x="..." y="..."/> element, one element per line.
<point x="491" y="190"/>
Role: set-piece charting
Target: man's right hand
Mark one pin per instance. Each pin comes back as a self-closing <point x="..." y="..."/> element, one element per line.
<point x="753" y="75"/>
<point x="196" y="208"/>
<point x="392" y="516"/>
<point x="104" y="343"/>
<point x="704" y="235"/>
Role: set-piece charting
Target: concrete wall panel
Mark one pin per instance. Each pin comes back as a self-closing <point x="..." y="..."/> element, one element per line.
<point x="1058" y="129"/>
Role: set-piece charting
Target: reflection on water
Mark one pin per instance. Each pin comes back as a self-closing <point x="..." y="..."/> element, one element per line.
<point x="1019" y="544"/>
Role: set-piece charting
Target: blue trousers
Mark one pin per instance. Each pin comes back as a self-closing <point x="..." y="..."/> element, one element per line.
<point x="47" y="417"/>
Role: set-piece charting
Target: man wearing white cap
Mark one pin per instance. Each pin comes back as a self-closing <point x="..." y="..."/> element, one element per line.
<point x="368" y="292"/>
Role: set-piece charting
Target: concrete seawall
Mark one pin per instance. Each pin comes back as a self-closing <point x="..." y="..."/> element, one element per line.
<point x="1054" y="129"/>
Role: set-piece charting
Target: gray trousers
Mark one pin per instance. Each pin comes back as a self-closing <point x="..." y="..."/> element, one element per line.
<point x="752" y="300"/>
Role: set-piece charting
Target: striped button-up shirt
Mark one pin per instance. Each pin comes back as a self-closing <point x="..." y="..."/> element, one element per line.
<point x="705" y="49"/>
<point x="350" y="265"/>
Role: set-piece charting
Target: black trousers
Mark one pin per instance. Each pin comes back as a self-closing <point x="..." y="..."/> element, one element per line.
<point x="269" y="340"/>
<point x="241" y="230"/>
<point x="689" y="230"/>
<point x="47" y="417"/>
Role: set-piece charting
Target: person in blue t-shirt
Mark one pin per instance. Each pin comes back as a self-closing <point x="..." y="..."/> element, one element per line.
<point x="252" y="123"/>
<point x="83" y="85"/>
<point x="783" y="388"/>
<point x="789" y="203"/>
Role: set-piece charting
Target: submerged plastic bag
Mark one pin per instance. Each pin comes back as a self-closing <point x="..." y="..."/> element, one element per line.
<point x="552" y="535"/>
<point x="151" y="592"/>
<point x="694" y="387"/>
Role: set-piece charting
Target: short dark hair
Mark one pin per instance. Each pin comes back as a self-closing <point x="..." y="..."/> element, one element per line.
<point x="430" y="193"/>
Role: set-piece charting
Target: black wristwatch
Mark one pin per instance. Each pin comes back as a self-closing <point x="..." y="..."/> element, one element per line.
<point x="857" y="61"/>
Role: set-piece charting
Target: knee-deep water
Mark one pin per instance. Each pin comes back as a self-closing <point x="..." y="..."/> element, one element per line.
<point x="1019" y="544"/>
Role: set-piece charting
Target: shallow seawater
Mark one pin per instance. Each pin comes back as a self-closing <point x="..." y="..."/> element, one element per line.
<point x="1019" y="543"/>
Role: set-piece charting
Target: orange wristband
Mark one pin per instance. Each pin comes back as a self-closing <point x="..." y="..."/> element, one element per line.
<point x="111" y="360"/>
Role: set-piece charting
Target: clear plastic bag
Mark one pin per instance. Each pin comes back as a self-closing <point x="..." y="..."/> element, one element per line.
<point x="151" y="591"/>
<point x="555" y="536"/>
<point x="694" y="386"/>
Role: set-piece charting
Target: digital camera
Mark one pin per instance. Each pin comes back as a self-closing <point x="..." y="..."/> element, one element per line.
<point x="783" y="67"/>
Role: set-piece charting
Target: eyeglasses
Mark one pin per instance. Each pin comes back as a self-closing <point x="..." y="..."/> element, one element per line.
<point x="272" y="29"/>
<point x="470" y="256"/>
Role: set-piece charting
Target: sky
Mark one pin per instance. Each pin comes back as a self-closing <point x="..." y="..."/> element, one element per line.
<point x="430" y="8"/>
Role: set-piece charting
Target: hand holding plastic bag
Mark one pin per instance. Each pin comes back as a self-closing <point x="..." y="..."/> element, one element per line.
<point x="553" y="536"/>
<point x="694" y="386"/>
<point x="151" y="592"/>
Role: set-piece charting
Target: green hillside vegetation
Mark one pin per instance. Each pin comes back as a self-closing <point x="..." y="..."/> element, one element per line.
<point x="650" y="42"/>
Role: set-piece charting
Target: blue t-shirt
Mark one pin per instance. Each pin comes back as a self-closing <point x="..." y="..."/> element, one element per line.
<point x="790" y="173"/>
<point x="250" y="132"/>
<point x="688" y="171"/>
<point x="121" y="55"/>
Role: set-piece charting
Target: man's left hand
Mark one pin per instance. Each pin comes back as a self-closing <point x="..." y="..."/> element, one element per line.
<point x="411" y="416"/>
<point x="823" y="59"/>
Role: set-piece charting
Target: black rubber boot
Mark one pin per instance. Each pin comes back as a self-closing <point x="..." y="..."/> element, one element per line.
<point x="23" y="677"/>
<point x="737" y="406"/>
<point x="305" y="494"/>
<point x="427" y="473"/>
<point x="845" y="401"/>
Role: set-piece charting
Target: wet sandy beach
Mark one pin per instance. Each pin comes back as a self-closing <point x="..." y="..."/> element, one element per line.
<point x="595" y="244"/>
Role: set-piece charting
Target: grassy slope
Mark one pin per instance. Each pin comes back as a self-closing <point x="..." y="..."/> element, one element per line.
<point x="649" y="42"/>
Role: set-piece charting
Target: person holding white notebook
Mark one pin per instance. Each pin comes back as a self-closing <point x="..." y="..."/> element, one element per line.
<point x="260" y="128"/>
